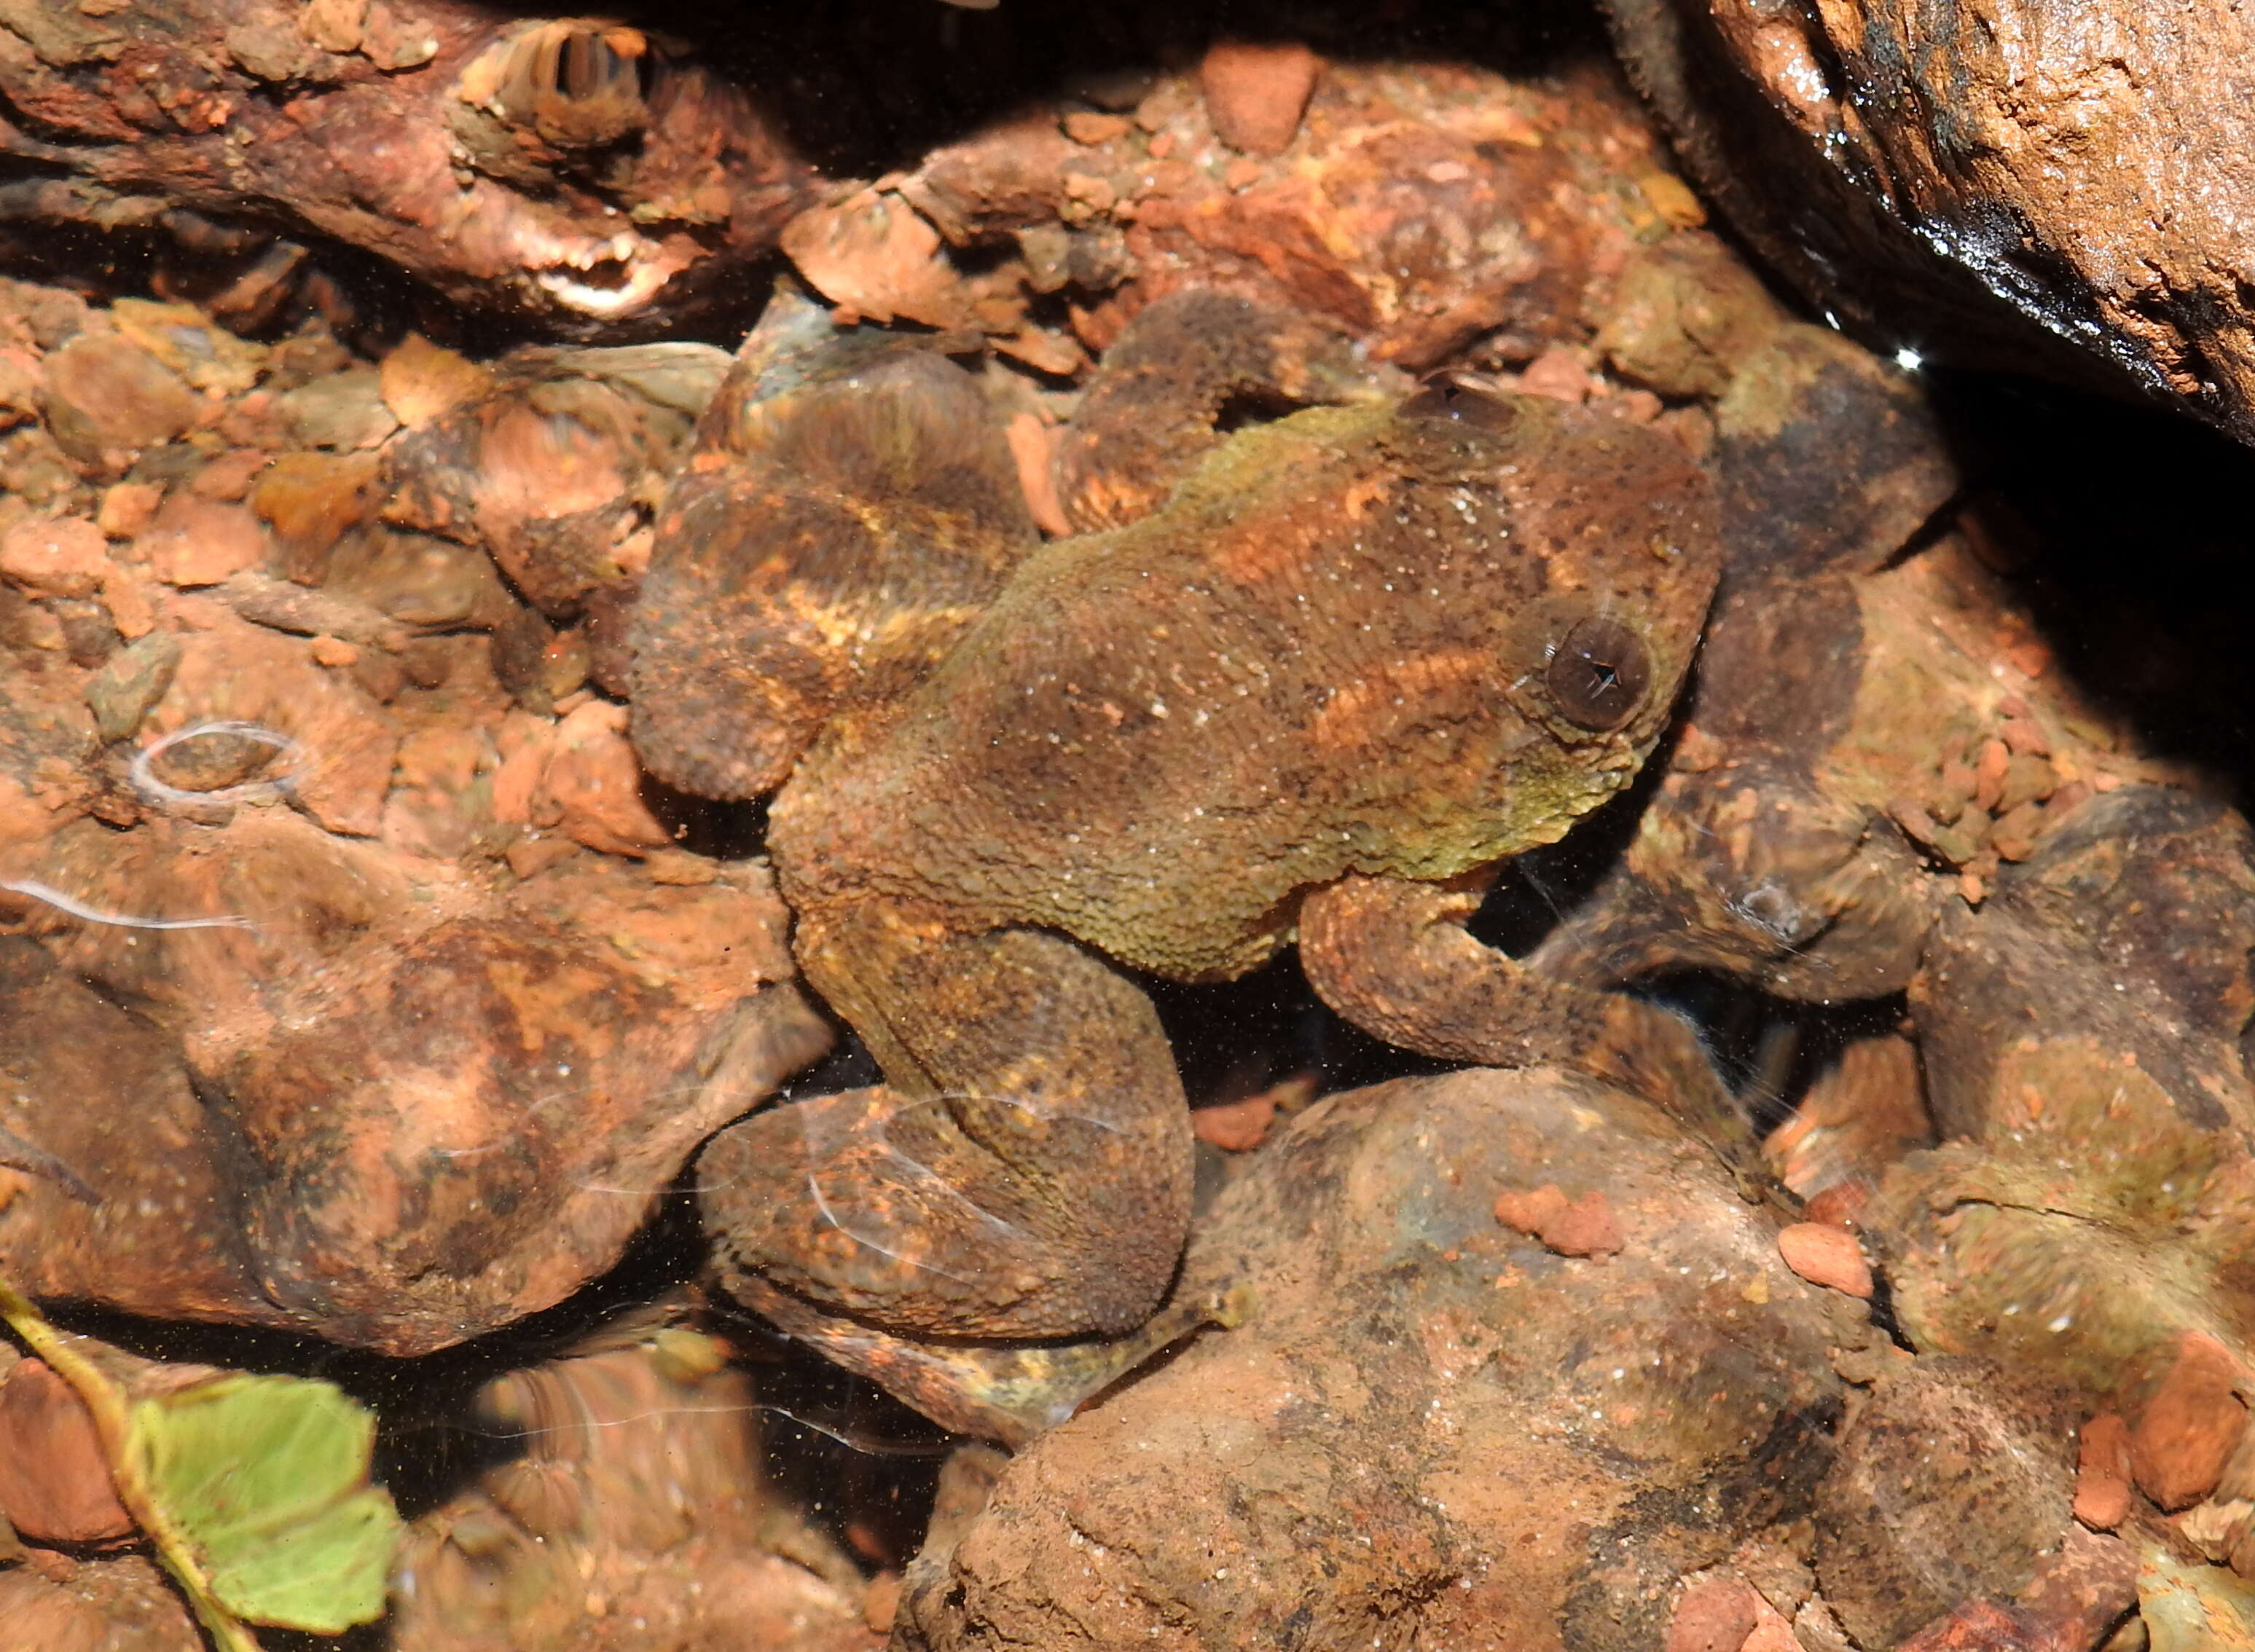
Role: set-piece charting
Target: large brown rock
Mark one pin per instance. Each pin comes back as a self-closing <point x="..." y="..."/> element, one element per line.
<point x="1434" y="1427"/>
<point x="2010" y="183"/>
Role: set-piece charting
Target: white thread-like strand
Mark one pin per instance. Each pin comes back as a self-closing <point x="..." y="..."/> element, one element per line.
<point x="61" y="902"/>
<point x="145" y="781"/>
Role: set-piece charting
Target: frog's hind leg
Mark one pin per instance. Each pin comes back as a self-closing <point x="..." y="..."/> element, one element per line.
<point x="851" y="506"/>
<point x="1394" y="956"/>
<point x="1026" y="1174"/>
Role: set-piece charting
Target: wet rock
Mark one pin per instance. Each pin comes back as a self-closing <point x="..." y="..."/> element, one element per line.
<point x="1255" y="94"/>
<point x="2192" y="1424"/>
<point x="410" y="134"/>
<point x="105" y="1092"/>
<point x="395" y="1171"/>
<point x="1972" y="184"/>
<point x="555" y="470"/>
<point x="54" y="1477"/>
<point x="59" y="557"/>
<point x="193" y="541"/>
<point x="108" y="398"/>
<point x="1827" y="1256"/>
<point x="1387" y="1443"/>
<point x="119" y="1605"/>
<point x="640" y="1499"/>
<point x="2102" y="1472"/>
<point x="1953" y="1480"/>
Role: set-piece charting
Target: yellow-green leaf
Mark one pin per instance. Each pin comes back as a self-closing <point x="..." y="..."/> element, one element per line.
<point x="264" y="1480"/>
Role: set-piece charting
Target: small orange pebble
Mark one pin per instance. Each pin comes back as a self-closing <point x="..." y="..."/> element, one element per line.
<point x="1714" y="1614"/>
<point x="1241" y="172"/>
<point x="2102" y="1472"/>
<point x="2024" y="736"/>
<point x="1584" y="1226"/>
<point x="1989" y="772"/>
<point x="332" y="651"/>
<point x="1839" y="1205"/>
<point x="1087" y="126"/>
<point x="1236" y="1127"/>
<point x="1827" y="1256"/>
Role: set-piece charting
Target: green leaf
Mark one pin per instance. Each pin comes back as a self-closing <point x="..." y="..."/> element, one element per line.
<point x="264" y="1481"/>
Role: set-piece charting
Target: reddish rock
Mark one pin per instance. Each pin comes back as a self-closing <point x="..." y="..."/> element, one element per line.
<point x="1584" y="1226"/>
<point x="2190" y="1427"/>
<point x="1236" y="1127"/>
<point x="1827" y="1256"/>
<point x="106" y="395"/>
<point x="2102" y="1472"/>
<point x="54" y="1483"/>
<point x="593" y="782"/>
<point x="57" y="556"/>
<point x="199" y="542"/>
<point x="1715" y="1614"/>
<point x="1254" y="94"/>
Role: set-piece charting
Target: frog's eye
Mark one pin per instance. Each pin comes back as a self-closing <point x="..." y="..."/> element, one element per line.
<point x="1598" y="674"/>
<point x="1463" y="398"/>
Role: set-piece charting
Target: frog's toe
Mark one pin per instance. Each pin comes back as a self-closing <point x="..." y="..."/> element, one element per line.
<point x="886" y="1209"/>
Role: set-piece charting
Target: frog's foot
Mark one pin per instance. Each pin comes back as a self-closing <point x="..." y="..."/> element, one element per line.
<point x="998" y="1391"/>
<point x="1393" y="956"/>
<point x="1029" y="1178"/>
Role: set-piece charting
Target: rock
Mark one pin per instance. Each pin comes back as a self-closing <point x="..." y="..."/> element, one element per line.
<point x="1583" y="1227"/>
<point x="1430" y="1428"/>
<point x="341" y="410"/>
<point x="641" y="1499"/>
<point x="392" y="1172"/>
<point x="130" y="682"/>
<point x="555" y="471"/>
<point x="1255" y="94"/>
<point x="199" y="542"/>
<point x="1976" y="187"/>
<point x="55" y="1478"/>
<point x="108" y="398"/>
<point x="1827" y="1256"/>
<point x="114" y="1605"/>
<point x="57" y="556"/>
<point x="2192" y="1424"/>
<point x="2103" y="1471"/>
<point x="594" y="784"/>
<point x="1953" y="1480"/>
<point x="1714" y="1614"/>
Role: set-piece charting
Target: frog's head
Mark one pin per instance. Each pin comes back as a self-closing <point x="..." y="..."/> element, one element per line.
<point x="1604" y="540"/>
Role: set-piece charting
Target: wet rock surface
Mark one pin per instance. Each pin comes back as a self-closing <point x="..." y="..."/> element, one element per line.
<point x="1977" y="182"/>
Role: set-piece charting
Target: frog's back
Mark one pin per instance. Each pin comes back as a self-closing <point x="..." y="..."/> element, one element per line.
<point x="1408" y="639"/>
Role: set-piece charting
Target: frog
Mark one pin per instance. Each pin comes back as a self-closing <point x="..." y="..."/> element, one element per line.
<point x="1359" y="654"/>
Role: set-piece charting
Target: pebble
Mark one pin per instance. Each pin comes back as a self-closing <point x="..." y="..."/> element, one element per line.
<point x="2102" y="1472"/>
<point x="200" y="542"/>
<point x="1827" y="1256"/>
<point x="105" y="394"/>
<point x="2190" y="1427"/>
<point x="1255" y="94"/>
<point x="1236" y="1127"/>
<point x="1584" y="1226"/>
<point x="55" y="557"/>
<point x="54" y="1484"/>
<point x="1714" y="1614"/>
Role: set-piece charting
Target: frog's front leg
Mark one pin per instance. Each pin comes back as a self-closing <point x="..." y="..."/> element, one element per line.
<point x="1024" y="1173"/>
<point x="1392" y="955"/>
